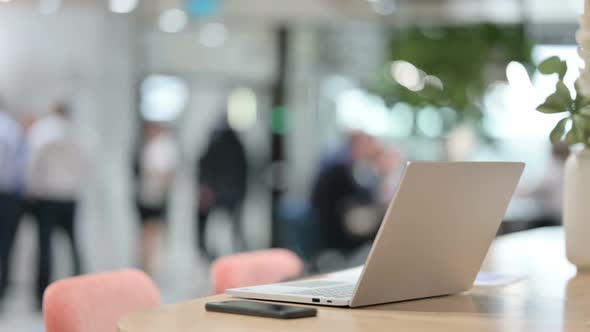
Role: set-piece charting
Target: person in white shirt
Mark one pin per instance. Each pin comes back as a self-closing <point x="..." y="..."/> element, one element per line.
<point x="57" y="168"/>
<point x="156" y="167"/>
<point x="12" y="158"/>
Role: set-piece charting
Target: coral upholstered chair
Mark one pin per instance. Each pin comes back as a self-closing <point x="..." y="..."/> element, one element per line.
<point x="94" y="303"/>
<point x="254" y="268"/>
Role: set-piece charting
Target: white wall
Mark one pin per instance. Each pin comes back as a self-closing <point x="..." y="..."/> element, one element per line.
<point x="81" y="53"/>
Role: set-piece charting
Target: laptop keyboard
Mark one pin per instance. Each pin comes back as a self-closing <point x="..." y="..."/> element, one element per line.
<point x="339" y="292"/>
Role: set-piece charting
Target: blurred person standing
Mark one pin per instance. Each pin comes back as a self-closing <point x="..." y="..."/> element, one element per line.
<point x="57" y="167"/>
<point x="12" y="164"/>
<point x="155" y="168"/>
<point x="222" y="174"/>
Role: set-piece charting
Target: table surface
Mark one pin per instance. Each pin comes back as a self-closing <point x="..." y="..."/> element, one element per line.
<point x="552" y="297"/>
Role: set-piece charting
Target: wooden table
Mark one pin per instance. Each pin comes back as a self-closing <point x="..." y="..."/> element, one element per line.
<point x="551" y="298"/>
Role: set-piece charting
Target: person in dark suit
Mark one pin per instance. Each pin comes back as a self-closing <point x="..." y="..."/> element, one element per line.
<point x="345" y="197"/>
<point x="12" y="155"/>
<point x="222" y="175"/>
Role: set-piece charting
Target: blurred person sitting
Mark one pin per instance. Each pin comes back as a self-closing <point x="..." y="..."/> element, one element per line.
<point x="389" y="164"/>
<point x="56" y="171"/>
<point x="12" y="164"/>
<point x="348" y="192"/>
<point x="222" y="175"/>
<point x="461" y="144"/>
<point x="156" y="168"/>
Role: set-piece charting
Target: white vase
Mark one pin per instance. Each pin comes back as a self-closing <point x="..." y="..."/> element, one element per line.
<point x="576" y="208"/>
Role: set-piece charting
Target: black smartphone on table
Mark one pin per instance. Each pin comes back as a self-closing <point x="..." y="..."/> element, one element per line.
<point x="262" y="309"/>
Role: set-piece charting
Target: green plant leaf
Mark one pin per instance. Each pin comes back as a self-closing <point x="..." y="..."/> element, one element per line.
<point x="580" y="102"/>
<point x="580" y="127"/>
<point x="558" y="131"/>
<point x="584" y="110"/>
<point x="554" y="104"/>
<point x="577" y="134"/>
<point x="563" y="92"/>
<point x="581" y="122"/>
<point x="559" y="101"/>
<point x="553" y="65"/>
<point x="550" y="108"/>
<point x="571" y="138"/>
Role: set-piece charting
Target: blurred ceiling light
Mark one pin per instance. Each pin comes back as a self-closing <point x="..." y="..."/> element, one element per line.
<point x="213" y="34"/>
<point x="202" y="8"/>
<point x="5" y="1"/>
<point x="518" y="77"/>
<point x="358" y="109"/>
<point x="402" y="120"/>
<point x="122" y="6"/>
<point x="351" y="108"/>
<point x="407" y="75"/>
<point x="163" y="97"/>
<point x="430" y="122"/>
<point x="48" y="7"/>
<point x="242" y="109"/>
<point x="172" y="20"/>
<point x="383" y="7"/>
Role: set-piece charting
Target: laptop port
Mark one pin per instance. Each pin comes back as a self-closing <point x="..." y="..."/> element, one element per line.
<point x="315" y="300"/>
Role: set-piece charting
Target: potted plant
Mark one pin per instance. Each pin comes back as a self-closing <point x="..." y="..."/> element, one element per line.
<point x="574" y="128"/>
<point x="456" y="65"/>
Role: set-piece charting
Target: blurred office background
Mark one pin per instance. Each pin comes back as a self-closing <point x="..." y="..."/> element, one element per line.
<point x="280" y="123"/>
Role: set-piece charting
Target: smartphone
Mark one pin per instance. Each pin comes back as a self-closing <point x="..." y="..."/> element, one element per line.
<point x="262" y="309"/>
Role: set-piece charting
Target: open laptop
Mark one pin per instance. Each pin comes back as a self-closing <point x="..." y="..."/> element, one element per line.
<point x="432" y="241"/>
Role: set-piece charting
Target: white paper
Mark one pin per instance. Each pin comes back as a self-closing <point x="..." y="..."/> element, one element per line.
<point x="495" y="279"/>
<point x="483" y="278"/>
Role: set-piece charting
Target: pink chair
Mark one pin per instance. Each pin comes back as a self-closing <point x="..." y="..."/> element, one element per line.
<point x="254" y="268"/>
<point x="94" y="303"/>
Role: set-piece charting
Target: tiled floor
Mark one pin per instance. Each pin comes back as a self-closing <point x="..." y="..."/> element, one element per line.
<point x="180" y="278"/>
<point x="18" y="313"/>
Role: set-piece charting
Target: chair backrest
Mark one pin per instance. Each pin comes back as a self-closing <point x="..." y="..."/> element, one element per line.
<point x="254" y="268"/>
<point x="94" y="303"/>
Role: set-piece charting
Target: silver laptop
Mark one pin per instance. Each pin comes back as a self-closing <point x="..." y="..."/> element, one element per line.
<point x="432" y="241"/>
